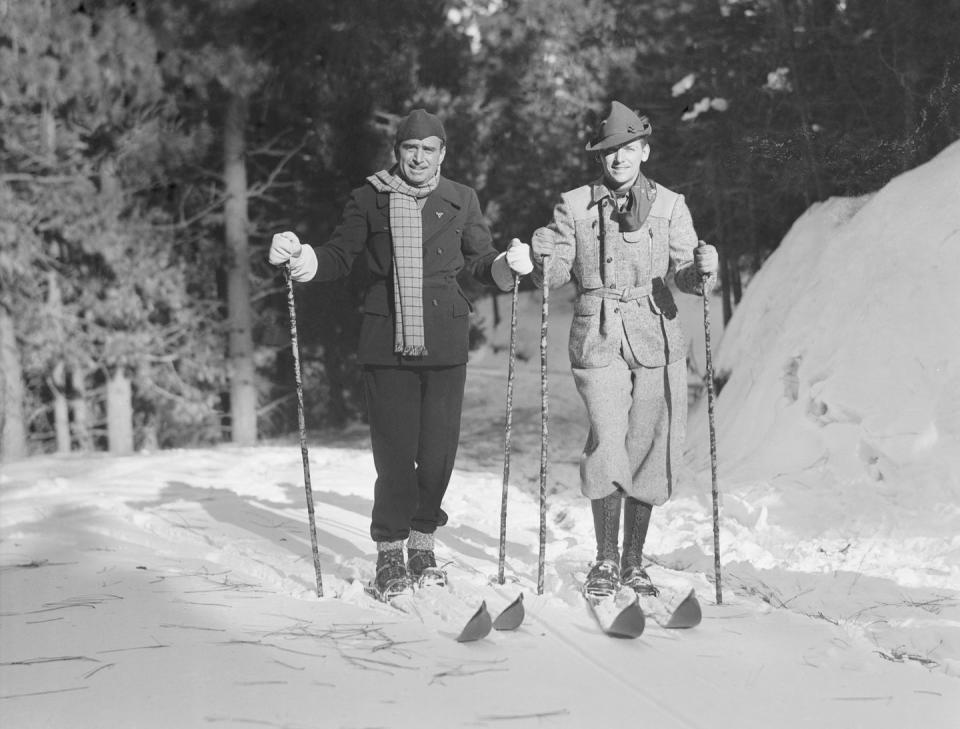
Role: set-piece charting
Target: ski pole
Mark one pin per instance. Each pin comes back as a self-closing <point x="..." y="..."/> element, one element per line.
<point x="543" y="429"/>
<point x="507" y="433"/>
<point x="713" y="437"/>
<point x="295" y="345"/>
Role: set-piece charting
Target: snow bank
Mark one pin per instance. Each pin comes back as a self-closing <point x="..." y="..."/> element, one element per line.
<point x="843" y="398"/>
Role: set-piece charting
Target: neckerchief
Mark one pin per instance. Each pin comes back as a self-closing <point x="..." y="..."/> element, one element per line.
<point x="640" y="199"/>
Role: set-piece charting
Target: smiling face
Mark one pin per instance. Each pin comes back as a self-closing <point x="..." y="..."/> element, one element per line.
<point x="622" y="165"/>
<point x="420" y="159"/>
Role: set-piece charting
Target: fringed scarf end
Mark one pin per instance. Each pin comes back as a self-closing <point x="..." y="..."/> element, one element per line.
<point x="413" y="350"/>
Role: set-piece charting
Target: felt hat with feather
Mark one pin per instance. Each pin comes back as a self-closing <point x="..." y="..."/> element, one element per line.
<point x="621" y="126"/>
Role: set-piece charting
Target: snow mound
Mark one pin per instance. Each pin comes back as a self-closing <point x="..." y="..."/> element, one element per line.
<point x="843" y="373"/>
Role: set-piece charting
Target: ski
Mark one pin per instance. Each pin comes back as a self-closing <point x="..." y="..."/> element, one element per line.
<point x="620" y="615"/>
<point x="512" y="616"/>
<point x="402" y="601"/>
<point x="673" y="614"/>
<point x="478" y="626"/>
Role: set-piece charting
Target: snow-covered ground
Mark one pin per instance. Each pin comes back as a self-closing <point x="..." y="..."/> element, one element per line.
<point x="176" y="589"/>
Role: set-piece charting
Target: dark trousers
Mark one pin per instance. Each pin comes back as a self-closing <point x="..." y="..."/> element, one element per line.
<point x="414" y="417"/>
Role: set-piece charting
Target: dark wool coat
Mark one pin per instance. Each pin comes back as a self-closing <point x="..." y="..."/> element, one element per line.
<point x="455" y="238"/>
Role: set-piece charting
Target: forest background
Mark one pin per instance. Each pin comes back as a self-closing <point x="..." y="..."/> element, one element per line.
<point x="148" y="151"/>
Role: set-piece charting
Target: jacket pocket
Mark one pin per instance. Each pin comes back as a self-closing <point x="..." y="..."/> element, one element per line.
<point x="587" y="305"/>
<point x="461" y="305"/>
<point x="376" y="302"/>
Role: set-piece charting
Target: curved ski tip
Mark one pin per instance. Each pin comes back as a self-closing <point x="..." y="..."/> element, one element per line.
<point x="512" y="615"/>
<point x="687" y="614"/>
<point x="629" y="623"/>
<point x="477" y="627"/>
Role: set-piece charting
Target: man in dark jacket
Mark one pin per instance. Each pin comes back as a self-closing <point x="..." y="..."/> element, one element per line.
<point x="417" y="231"/>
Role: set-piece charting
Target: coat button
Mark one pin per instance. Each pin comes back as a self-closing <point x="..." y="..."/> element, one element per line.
<point x="439" y="251"/>
<point x="610" y="259"/>
<point x="616" y="310"/>
<point x="435" y="303"/>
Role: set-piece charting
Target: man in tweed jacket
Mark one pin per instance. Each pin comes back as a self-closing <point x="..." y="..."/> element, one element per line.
<point x="619" y="238"/>
<point x="416" y="231"/>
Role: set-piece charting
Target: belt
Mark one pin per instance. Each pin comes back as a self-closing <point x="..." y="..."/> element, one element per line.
<point x="628" y="293"/>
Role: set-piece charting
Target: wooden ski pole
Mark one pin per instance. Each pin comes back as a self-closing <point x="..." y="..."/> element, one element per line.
<point x="713" y="437"/>
<point x="545" y="309"/>
<point x="295" y="345"/>
<point x="508" y="427"/>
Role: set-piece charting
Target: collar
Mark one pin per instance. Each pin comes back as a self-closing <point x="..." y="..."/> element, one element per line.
<point x="642" y="186"/>
<point x="444" y="189"/>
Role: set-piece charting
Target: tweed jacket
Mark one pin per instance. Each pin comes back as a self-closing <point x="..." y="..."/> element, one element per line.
<point x="621" y="276"/>
<point x="455" y="238"/>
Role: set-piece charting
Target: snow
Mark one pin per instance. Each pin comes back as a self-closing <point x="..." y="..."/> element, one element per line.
<point x="176" y="589"/>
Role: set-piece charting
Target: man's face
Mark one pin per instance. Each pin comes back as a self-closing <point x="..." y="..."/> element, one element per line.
<point x="622" y="165"/>
<point x="420" y="159"/>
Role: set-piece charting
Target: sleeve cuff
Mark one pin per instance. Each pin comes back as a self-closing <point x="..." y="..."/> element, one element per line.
<point x="501" y="273"/>
<point x="304" y="267"/>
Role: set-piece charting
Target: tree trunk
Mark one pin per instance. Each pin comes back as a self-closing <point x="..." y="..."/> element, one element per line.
<point x="814" y="176"/>
<point x="61" y="410"/>
<point x="13" y="428"/>
<point x="58" y="376"/>
<point x="80" y="409"/>
<point x="726" y="279"/>
<point x="120" y="413"/>
<point x="243" y="393"/>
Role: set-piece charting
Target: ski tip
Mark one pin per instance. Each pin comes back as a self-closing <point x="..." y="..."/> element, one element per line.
<point x="512" y="615"/>
<point x="618" y="616"/>
<point x="477" y="627"/>
<point x="687" y="614"/>
<point x="629" y="623"/>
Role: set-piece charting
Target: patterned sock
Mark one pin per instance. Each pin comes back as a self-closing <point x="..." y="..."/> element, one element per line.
<point x="420" y="540"/>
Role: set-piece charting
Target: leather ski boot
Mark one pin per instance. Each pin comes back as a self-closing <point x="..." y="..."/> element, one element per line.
<point x="423" y="570"/>
<point x="603" y="579"/>
<point x="392" y="579"/>
<point x="636" y="521"/>
<point x="421" y="561"/>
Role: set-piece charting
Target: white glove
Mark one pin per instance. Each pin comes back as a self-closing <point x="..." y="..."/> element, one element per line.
<point x="284" y="246"/>
<point x="286" y="249"/>
<point x="518" y="257"/>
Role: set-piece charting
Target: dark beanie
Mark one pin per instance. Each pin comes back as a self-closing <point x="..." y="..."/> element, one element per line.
<point x="420" y="124"/>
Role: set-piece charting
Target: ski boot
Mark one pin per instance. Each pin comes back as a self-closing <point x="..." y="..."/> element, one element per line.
<point x="603" y="580"/>
<point x="392" y="579"/>
<point x="637" y="579"/>
<point x="423" y="570"/>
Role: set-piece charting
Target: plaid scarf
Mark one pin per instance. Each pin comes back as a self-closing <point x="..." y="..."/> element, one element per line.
<point x="406" y="229"/>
